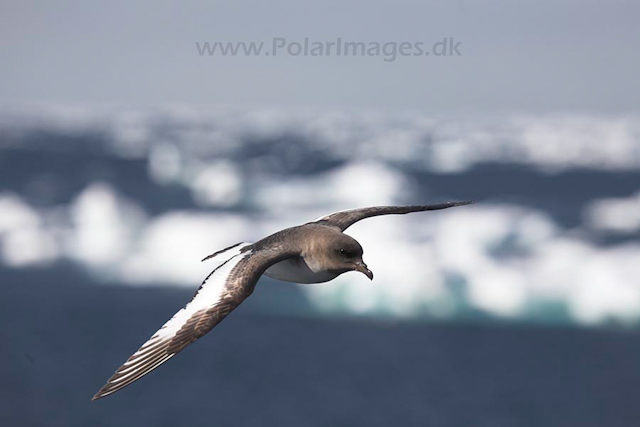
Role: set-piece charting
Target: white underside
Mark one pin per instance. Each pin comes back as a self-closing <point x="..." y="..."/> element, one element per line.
<point x="297" y="271"/>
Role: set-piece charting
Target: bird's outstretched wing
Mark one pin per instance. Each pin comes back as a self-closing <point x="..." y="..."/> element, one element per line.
<point x="344" y="219"/>
<point x="221" y="292"/>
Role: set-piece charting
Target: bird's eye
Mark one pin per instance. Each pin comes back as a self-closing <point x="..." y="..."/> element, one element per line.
<point x="345" y="253"/>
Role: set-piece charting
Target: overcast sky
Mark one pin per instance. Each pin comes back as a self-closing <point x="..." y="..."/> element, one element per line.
<point x="522" y="56"/>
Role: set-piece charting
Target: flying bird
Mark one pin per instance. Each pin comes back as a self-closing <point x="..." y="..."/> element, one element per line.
<point x="315" y="252"/>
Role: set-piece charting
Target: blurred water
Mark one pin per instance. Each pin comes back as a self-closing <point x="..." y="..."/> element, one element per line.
<point x="105" y="215"/>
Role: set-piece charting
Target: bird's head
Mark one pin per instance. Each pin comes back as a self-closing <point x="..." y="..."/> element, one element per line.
<point x="338" y="253"/>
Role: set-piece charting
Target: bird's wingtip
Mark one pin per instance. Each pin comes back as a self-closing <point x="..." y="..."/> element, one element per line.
<point x="100" y="394"/>
<point x="455" y="204"/>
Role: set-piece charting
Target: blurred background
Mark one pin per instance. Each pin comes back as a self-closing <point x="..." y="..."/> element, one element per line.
<point x="126" y="157"/>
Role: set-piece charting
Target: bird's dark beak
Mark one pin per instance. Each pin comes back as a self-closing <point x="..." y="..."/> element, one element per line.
<point x="362" y="268"/>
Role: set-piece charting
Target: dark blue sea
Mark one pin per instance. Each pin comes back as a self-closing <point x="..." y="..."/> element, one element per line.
<point x="63" y="337"/>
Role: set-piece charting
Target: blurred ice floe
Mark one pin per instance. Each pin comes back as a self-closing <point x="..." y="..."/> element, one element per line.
<point x="550" y="143"/>
<point x="24" y="240"/>
<point x="502" y="260"/>
<point x="170" y="135"/>
<point x="355" y="184"/>
<point x="103" y="226"/>
<point x="618" y="215"/>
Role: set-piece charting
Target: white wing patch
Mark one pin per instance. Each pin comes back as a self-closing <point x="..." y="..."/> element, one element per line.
<point x="155" y="352"/>
<point x="206" y="297"/>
